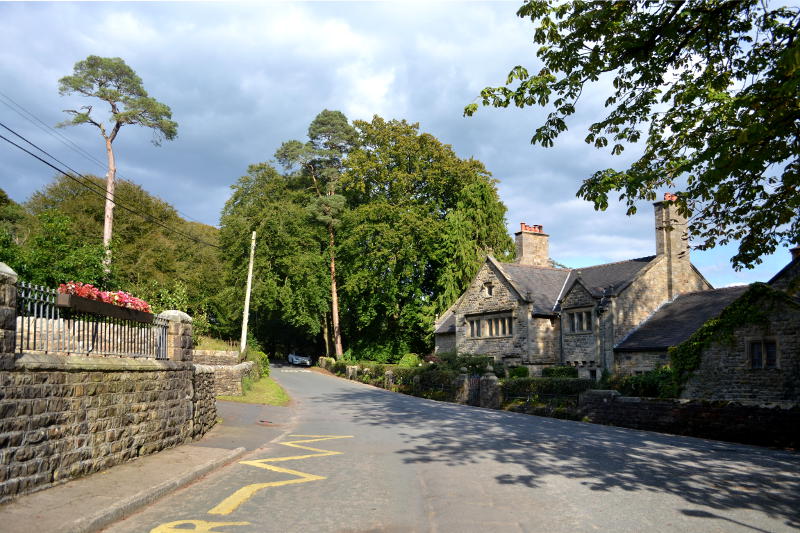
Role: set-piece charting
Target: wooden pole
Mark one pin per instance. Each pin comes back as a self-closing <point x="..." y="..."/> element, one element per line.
<point x="243" y="344"/>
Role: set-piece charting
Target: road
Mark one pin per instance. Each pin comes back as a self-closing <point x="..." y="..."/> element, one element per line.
<point x="354" y="458"/>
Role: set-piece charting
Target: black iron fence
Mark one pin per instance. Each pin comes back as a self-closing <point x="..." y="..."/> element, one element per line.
<point x="44" y="327"/>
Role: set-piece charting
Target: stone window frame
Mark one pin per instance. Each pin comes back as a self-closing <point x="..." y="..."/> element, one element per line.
<point x="486" y="324"/>
<point x="763" y="357"/>
<point x="488" y="289"/>
<point x="587" y="316"/>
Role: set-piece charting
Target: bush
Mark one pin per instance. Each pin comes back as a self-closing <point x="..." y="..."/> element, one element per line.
<point x="519" y="372"/>
<point x="339" y="367"/>
<point x="560" y="372"/>
<point x="409" y="360"/>
<point x="524" y="387"/>
<point x="658" y="383"/>
<point x="260" y="359"/>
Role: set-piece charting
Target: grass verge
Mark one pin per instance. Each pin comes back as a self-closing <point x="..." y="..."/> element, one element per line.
<point x="203" y="342"/>
<point x="264" y="391"/>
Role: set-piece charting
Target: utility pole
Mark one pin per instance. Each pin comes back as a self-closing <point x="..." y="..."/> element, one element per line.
<point x="243" y="344"/>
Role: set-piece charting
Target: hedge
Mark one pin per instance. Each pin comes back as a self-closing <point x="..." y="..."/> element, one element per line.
<point x="560" y="372"/>
<point x="524" y="387"/>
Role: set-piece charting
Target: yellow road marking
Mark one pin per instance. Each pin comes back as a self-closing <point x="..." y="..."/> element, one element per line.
<point x="232" y="502"/>
<point x="199" y="526"/>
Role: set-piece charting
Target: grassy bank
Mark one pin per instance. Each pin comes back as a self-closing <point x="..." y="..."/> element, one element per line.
<point x="264" y="391"/>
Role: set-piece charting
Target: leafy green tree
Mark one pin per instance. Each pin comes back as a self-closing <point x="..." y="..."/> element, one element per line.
<point x="55" y="253"/>
<point x="165" y="268"/>
<point x="11" y="228"/>
<point x="319" y="161"/>
<point x="711" y="86"/>
<point x="116" y="84"/>
<point x="421" y="221"/>
<point x="291" y="291"/>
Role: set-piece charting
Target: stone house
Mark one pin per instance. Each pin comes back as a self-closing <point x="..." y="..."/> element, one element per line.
<point x="757" y="357"/>
<point x="529" y="313"/>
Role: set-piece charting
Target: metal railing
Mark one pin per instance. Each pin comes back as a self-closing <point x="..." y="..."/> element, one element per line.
<point x="43" y="327"/>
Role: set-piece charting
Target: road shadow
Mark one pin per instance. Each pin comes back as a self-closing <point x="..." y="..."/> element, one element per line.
<point x="603" y="458"/>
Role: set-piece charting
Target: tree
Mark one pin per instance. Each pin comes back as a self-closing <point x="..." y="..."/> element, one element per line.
<point x="291" y="292"/>
<point x="330" y="138"/>
<point x="115" y="83"/>
<point x="420" y="222"/>
<point x="712" y="86"/>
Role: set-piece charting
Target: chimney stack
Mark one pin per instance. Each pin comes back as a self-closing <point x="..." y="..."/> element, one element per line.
<point x="532" y="246"/>
<point x="672" y="241"/>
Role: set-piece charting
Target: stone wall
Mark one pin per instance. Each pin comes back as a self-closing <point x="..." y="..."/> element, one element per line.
<point x="628" y="363"/>
<point x="228" y="378"/>
<point x="729" y="421"/>
<point x="640" y="299"/>
<point x="67" y="416"/>
<point x="502" y="300"/>
<point x="215" y="357"/>
<point x="8" y="303"/>
<point x="579" y="347"/>
<point x="204" y="400"/>
<point x="725" y="372"/>
<point x="543" y="342"/>
<point x="445" y="342"/>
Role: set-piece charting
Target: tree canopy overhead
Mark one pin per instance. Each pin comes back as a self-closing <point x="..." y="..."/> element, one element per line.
<point x="713" y="89"/>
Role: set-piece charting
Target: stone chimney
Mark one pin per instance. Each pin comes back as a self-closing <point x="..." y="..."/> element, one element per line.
<point x="672" y="241"/>
<point x="532" y="246"/>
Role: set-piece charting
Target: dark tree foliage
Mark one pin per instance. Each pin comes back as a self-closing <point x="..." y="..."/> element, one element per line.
<point x="711" y="87"/>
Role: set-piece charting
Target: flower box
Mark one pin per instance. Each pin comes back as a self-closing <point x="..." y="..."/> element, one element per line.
<point x="84" y="305"/>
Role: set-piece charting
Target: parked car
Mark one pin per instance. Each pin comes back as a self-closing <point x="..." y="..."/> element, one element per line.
<point x="299" y="359"/>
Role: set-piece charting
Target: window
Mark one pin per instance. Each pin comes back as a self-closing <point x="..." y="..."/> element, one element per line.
<point x="499" y="326"/>
<point x="763" y="354"/>
<point x="579" y="321"/>
<point x="488" y="289"/>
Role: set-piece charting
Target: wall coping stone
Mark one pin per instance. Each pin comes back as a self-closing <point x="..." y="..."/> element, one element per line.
<point x="30" y="361"/>
<point x="176" y="316"/>
<point x="7" y="272"/>
<point x="204" y="369"/>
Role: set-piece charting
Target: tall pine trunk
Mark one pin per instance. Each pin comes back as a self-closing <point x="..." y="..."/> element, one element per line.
<point x="337" y="334"/>
<point x="108" y="218"/>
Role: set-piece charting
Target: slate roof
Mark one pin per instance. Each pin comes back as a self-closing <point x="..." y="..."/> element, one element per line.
<point x="448" y="325"/>
<point x="674" y="322"/>
<point x="612" y="276"/>
<point x="543" y="284"/>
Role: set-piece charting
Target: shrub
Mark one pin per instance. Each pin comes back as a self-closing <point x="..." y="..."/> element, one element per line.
<point x="659" y="383"/>
<point x="519" y="372"/>
<point x="260" y="359"/>
<point x="409" y="360"/>
<point x="524" y="387"/>
<point x="339" y="367"/>
<point x="560" y="372"/>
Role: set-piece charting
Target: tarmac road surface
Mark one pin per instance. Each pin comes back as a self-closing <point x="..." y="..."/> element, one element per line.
<point x="355" y="458"/>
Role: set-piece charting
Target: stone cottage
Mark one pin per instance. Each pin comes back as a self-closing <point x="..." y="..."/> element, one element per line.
<point x="756" y="358"/>
<point x="529" y="313"/>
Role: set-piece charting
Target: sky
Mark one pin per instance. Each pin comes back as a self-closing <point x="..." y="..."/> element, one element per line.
<point x="241" y="78"/>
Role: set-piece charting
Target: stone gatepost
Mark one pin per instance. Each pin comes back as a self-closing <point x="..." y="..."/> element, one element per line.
<point x="388" y="380"/>
<point x="8" y="312"/>
<point x="490" y="389"/>
<point x="351" y="372"/>
<point x="462" y="387"/>
<point x="179" y="335"/>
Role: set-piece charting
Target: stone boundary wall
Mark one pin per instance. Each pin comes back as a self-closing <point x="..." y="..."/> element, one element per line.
<point x="228" y="378"/>
<point x="66" y="416"/>
<point x="215" y="357"/>
<point x="719" y="420"/>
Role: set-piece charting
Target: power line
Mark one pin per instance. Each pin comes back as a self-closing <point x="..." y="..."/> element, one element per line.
<point x="90" y="189"/>
<point x="69" y="143"/>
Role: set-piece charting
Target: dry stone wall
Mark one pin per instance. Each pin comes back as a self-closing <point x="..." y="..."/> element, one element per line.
<point x="215" y="357"/>
<point x="728" y="421"/>
<point x="228" y="378"/>
<point x="67" y="416"/>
